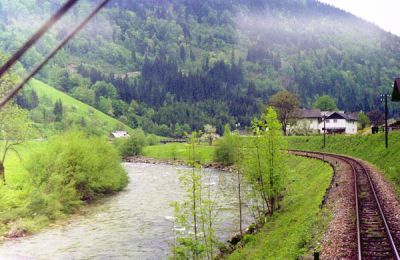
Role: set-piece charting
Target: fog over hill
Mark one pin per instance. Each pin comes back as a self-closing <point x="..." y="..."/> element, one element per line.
<point x="209" y="61"/>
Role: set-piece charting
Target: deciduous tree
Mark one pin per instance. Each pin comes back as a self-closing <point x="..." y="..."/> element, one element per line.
<point x="285" y="103"/>
<point x="325" y="103"/>
<point x="15" y="128"/>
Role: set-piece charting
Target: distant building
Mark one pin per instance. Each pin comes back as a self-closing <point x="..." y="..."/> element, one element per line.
<point x="309" y="121"/>
<point x="119" y="134"/>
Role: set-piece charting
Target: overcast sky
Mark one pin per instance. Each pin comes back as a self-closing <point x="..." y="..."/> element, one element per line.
<point x="381" y="12"/>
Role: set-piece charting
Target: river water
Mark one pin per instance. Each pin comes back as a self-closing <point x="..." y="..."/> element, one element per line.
<point x="133" y="224"/>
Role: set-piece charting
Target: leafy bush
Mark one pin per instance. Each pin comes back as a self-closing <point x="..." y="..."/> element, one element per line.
<point x="225" y="151"/>
<point x="152" y="139"/>
<point x="71" y="169"/>
<point x="132" y="145"/>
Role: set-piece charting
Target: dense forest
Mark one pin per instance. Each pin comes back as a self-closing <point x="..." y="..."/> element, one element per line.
<point x="170" y="66"/>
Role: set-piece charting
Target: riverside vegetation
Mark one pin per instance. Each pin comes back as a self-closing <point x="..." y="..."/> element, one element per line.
<point x="277" y="188"/>
<point x="54" y="178"/>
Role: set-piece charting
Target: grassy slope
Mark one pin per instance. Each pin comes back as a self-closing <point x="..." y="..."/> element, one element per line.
<point x="289" y="233"/>
<point x="77" y="109"/>
<point x="370" y="148"/>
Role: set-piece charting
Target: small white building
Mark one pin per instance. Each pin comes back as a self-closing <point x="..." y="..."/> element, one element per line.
<point x="309" y="121"/>
<point x="119" y="134"/>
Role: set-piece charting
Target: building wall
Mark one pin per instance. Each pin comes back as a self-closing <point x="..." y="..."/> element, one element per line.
<point x="317" y="126"/>
<point x="350" y="126"/>
<point x="310" y="124"/>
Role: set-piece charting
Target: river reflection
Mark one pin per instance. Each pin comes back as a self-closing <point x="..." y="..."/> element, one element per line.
<point x="134" y="224"/>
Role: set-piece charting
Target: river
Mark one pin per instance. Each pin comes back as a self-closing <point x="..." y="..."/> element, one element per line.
<point x="133" y="224"/>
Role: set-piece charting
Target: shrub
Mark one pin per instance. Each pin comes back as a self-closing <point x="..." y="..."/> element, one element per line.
<point x="71" y="169"/>
<point x="132" y="145"/>
<point x="225" y="151"/>
<point x="152" y="139"/>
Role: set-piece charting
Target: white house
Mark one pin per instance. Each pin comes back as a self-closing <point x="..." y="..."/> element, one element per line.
<point x="312" y="121"/>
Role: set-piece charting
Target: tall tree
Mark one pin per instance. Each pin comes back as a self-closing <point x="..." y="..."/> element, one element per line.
<point x="58" y="110"/>
<point x="376" y="117"/>
<point x="285" y="103"/>
<point x="264" y="165"/>
<point x="15" y="128"/>
<point x="325" y="103"/>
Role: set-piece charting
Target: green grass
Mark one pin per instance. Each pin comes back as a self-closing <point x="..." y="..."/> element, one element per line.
<point x="293" y="231"/>
<point x="370" y="148"/>
<point x="14" y="164"/>
<point x="178" y="151"/>
<point x="76" y="110"/>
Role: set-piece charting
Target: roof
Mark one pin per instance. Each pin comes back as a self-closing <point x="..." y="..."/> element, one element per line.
<point x="119" y="134"/>
<point x="396" y="90"/>
<point x="308" y="113"/>
<point x="351" y="116"/>
<point x="316" y="113"/>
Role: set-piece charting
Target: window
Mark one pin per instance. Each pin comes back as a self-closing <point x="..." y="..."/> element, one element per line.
<point x="334" y="120"/>
<point x="327" y="120"/>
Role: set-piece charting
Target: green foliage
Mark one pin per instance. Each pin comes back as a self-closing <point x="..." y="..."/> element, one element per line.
<point x="15" y="129"/>
<point x="94" y="121"/>
<point x="285" y="103"/>
<point x="263" y="164"/>
<point x="58" y="110"/>
<point x="196" y="214"/>
<point x="72" y="168"/>
<point x="325" y="103"/>
<point x="143" y="54"/>
<point x="132" y="145"/>
<point x="225" y="150"/>
<point x="367" y="147"/>
<point x="152" y="139"/>
<point x="363" y="120"/>
<point x="179" y="151"/>
<point x="295" y="231"/>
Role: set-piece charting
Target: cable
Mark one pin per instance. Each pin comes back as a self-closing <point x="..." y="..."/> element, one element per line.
<point x="45" y="27"/>
<point x="19" y="86"/>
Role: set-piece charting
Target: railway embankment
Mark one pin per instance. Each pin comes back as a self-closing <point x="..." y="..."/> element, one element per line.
<point x="370" y="148"/>
<point x="365" y="211"/>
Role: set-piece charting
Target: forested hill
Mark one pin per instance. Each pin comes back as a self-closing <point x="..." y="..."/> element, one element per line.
<point x="171" y="65"/>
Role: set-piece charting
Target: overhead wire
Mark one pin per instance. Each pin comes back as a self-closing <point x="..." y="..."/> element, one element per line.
<point x="14" y="91"/>
<point x="39" y="33"/>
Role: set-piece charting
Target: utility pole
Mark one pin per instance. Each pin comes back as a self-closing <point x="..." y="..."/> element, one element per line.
<point x="324" y="117"/>
<point x="386" y="121"/>
<point x="384" y="98"/>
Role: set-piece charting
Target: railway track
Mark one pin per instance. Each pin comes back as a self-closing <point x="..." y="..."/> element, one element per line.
<point x="375" y="238"/>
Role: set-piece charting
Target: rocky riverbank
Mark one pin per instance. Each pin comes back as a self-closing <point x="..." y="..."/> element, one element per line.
<point x="143" y="159"/>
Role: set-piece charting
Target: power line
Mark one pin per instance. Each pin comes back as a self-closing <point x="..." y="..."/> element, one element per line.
<point x="19" y="86"/>
<point x="45" y="27"/>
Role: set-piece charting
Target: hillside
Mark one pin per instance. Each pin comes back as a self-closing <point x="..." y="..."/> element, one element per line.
<point x="179" y="64"/>
<point x="76" y="113"/>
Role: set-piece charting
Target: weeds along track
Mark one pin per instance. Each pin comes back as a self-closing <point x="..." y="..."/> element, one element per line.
<point x="375" y="237"/>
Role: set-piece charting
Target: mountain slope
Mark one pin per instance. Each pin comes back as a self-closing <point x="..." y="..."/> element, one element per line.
<point x="215" y="62"/>
<point x="75" y="112"/>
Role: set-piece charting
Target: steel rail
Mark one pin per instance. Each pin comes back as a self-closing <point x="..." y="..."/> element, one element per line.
<point x="34" y="38"/>
<point x="351" y="162"/>
<point x="20" y="85"/>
